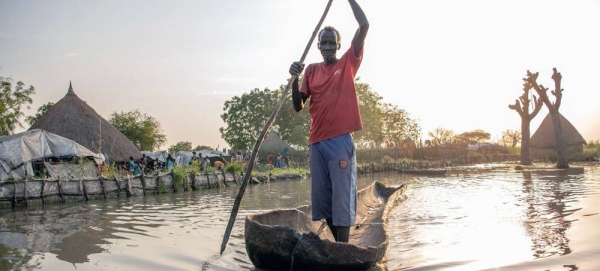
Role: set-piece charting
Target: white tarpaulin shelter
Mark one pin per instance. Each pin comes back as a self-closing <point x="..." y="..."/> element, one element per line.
<point x="157" y="155"/>
<point x="185" y="157"/>
<point x="19" y="150"/>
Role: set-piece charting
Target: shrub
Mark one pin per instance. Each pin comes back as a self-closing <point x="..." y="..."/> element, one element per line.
<point x="234" y="167"/>
<point x="179" y="175"/>
<point x="387" y="160"/>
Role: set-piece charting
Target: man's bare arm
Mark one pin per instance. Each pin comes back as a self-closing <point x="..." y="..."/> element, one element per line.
<point x="363" y="27"/>
<point x="298" y="98"/>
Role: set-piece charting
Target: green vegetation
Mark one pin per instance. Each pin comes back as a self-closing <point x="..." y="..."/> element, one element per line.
<point x="591" y="151"/>
<point x="11" y="101"/>
<point x="281" y="171"/>
<point x="40" y="112"/>
<point x="387" y="160"/>
<point x="514" y="150"/>
<point x="179" y="175"/>
<point x="161" y="188"/>
<point x="405" y="161"/>
<point x="234" y="167"/>
<point x="142" y="129"/>
<point x="245" y="116"/>
<point x="180" y="146"/>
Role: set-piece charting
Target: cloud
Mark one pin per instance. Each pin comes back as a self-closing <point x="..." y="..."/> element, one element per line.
<point x="72" y="55"/>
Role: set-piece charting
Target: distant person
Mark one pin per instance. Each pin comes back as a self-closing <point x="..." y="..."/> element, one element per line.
<point x="132" y="164"/>
<point x="143" y="162"/>
<point x="270" y="159"/>
<point x="170" y="162"/>
<point x="218" y="165"/>
<point x="205" y="162"/>
<point x="194" y="157"/>
<point x="134" y="167"/>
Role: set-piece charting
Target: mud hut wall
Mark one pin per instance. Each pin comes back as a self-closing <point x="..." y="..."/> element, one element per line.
<point x="50" y="187"/>
<point x="73" y="189"/>
<point x="110" y="186"/>
<point x="212" y="179"/>
<point x="93" y="187"/>
<point x="136" y="185"/>
<point x="200" y="180"/>
<point x="150" y="182"/>
<point x="167" y="180"/>
<point x="550" y="153"/>
<point x="33" y="189"/>
<point x="229" y="177"/>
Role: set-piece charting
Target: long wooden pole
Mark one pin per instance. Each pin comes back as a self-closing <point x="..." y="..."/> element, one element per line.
<point x="263" y="133"/>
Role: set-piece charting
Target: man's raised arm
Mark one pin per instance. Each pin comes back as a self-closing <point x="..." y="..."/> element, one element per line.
<point x="363" y="27"/>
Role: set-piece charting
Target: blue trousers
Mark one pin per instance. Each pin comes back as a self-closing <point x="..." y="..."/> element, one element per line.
<point x="333" y="189"/>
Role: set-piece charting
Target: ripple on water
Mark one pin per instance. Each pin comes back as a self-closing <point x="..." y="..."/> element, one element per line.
<point x="469" y="220"/>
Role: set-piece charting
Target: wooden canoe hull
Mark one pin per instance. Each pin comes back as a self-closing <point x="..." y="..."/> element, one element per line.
<point x="288" y="239"/>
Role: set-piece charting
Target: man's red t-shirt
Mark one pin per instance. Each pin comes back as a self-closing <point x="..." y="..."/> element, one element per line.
<point x="333" y="102"/>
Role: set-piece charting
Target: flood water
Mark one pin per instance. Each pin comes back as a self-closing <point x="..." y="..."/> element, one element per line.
<point x="496" y="219"/>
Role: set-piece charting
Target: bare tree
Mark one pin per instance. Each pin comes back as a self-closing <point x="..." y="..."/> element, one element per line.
<point x="559" y="136"/>
<point x="521" y="105"/>
<point x="441" y="136"/>
<point x="511" y="138"/>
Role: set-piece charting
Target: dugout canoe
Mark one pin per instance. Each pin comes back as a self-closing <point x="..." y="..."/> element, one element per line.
<point x="288" y="239"/>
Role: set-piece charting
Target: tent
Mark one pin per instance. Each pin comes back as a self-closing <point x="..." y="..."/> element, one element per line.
<point x="74" y="119"/>
<point x="185" y="157"/>
<point x="157" y="155"/>
<point x="19" y="151"/>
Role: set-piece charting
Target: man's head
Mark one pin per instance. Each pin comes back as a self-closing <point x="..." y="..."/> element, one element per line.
<point x="329" y="42"/>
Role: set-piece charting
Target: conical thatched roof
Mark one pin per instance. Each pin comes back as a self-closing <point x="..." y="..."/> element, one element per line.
<point x="76" y="120"/>
<point x="272" y="140"/>
<point x="544" y="136"/>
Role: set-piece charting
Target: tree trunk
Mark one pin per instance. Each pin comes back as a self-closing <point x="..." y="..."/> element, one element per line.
<point x="560" y="143"/>
<point x="525" y="143"/>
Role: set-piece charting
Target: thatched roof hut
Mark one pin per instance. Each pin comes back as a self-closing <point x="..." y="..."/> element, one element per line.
<point x="274" y="142"/>
<point x="542" y="142"/>
<point x="76" y="120"/>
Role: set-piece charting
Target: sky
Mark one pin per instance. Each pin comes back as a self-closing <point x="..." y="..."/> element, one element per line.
<point x="455" y="65"/>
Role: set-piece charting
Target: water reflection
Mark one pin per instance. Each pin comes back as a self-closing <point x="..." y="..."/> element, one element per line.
<point x="548" y="201"/>
<point x="469" y="220"/>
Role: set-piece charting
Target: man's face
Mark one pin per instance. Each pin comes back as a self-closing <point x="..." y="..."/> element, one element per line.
<point x="328" y="45"/>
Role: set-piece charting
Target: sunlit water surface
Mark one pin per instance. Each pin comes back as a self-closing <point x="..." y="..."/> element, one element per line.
<point x="468" y="220"/>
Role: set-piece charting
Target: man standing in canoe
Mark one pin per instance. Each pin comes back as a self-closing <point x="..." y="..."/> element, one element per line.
<point x="334" y="116"/>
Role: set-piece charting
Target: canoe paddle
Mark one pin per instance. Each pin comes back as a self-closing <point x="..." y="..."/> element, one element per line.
<point x="263" y="133"/>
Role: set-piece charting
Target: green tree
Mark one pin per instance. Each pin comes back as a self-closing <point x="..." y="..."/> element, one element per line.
<point x="180" y="146"/>
<point x="11" y="101"/>
<point x="142" y="129"/>
<point x="201" y="147"/>
<point x="40" y="112"/>
<point x="371" y="111"/>
<point x="472" y="137"/>
<point x="292" y="126"/>
<point x="398" y="126"/>
<point x="245" y="117"/>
